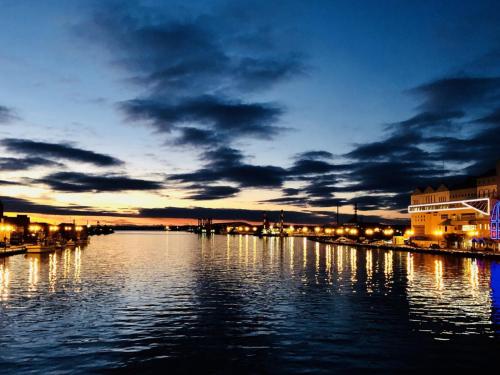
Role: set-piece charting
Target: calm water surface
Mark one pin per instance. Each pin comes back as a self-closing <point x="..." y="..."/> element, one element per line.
<point x="149" y="302"/>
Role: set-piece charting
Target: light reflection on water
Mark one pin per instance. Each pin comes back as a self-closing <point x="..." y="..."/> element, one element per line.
<point x="230" y="304"/>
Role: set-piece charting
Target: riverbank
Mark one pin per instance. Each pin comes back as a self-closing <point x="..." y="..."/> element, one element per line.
<point x="12" y="250"/>
<point x="456" y="252"/>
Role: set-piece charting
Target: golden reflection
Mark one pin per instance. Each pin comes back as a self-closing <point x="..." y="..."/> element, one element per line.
<point x="52" y="272"/>
<point x="246" y="250"/>
<point x="369" y="264"/>
<point x="340" y="259"/>
<point x="228" y="248"/>
<point x="304" y="251"/>
<point x="328" y="261"/>
<point x="438" y="273"/>
<point x="353" y="263"/>
<point x="474" y="274"/>
<point x="292" y="240"/>
<point x="4" y="282"/>
<point x="388" y="266"/>
<point x="78" y="264"/>
<point x="317" y="256"/>
<point x="254" y="250"/>
<point x="240" y="245"/>
<point x="409" y="266"/>
<point x="33" y="270"/>
<point x="66" y="262"/>
<point x="369" y="270"/>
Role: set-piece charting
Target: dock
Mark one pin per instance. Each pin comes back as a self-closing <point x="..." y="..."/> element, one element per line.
<point x="478" y="254"/>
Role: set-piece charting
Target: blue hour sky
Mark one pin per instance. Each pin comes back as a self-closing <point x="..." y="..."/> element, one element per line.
<point x="166" y="109"/>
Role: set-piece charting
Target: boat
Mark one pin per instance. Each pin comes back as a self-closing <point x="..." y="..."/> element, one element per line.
<point x="38" y="248"/>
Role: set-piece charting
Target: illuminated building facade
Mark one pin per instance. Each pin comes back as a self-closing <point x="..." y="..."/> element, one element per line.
<point x="457" y="216"/>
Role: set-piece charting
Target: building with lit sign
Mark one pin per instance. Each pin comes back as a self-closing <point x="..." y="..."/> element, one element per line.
<point x="461" y="216"/>
<point x="495" y="222"/>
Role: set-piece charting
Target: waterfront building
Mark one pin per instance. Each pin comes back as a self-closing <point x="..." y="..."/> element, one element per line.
<point x="456" y="216"/>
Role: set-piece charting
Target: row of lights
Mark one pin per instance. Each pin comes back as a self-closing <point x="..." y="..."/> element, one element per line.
<point x="470" y="233"/>
<point x="6" y="228"/>
<point x="339" y="231"/>
<point x="54" y="228"/>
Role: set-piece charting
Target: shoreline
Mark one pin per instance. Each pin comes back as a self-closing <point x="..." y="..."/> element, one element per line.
<point x="15" y="250"/>
<point x="454" y="252"/>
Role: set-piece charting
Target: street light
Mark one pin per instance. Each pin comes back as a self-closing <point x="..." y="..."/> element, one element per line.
<point x="369" y="232"/>
<point x="34" y="228"/>
<point x="409" y="233"/>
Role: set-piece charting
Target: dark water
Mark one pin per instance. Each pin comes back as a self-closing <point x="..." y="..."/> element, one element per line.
<point x="176" y="303"/>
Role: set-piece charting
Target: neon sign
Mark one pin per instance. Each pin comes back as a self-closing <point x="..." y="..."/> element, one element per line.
<point x="495" y="222"/>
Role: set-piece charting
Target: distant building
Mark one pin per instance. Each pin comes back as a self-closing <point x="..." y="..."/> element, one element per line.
<point x="457" y="216"/>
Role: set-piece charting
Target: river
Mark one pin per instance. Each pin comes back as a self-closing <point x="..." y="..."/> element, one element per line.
<point x="141" y="302"/>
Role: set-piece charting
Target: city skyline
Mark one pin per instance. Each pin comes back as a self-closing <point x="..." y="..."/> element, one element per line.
<point x="141" y="112"/>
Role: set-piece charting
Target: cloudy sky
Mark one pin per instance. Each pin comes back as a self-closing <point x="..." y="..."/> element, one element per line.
<point x="176" y="109"/>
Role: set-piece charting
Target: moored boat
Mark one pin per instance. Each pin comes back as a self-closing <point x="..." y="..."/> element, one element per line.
<point x="38" y="248"/>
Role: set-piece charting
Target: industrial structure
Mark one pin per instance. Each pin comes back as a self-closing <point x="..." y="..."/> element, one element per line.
<point x="458" y="216"/>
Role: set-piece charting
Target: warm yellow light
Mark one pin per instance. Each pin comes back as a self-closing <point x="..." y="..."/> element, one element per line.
<point x="247" y="229"/>
<point x="228" y="229"/>
<point x="53" y="228"/>
<point x="388" y="232"/>
<point x="409" y="233"/>
<point x="438" y="233"/>
<point x="305" y="229"/>
<point x="34" y="228"/>
<point x="67" y="228"/>
<point x="317" y="229"/>
<point x="328" y="231"/>
<point x="340" y="231"/>
<point x="377" y="229"/>
<point x="472" y="233"/>
<point x="254" y="229"/>
<point x="353" y="231"/>
<point x="240" y="229"/>
<point x="78" y="228"/>
<point x="291" y="228"/>
<point x="369" y="232"/>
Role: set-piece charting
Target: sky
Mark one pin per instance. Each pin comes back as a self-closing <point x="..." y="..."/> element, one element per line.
<point x="164" y="111"/>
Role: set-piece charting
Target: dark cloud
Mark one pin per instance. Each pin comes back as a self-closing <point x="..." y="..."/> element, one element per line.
<point x="5" y="182"/>
<point x="19" y="164"/>
<point x="219" y="119"/>
<point x="493" y="118"/>
<point x="213" y="192"/>
<point x="308" y="166"/>
<point x="12" y="204"/>
<point x="446" y="139"/>
<point x="233" y="214"/>
<point x="194" y="72"/>
<point x="458" y="93"/>
<point x="431" y="120"/>
<point x="314" y="155"/>
<point x="75" y="182"/>
<point x="7" y="114"/>
<point x="227" y="164"/>
<point x="200" y="54"/>
<point x="381" y="202"/>
<point x="59" y="151"/>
